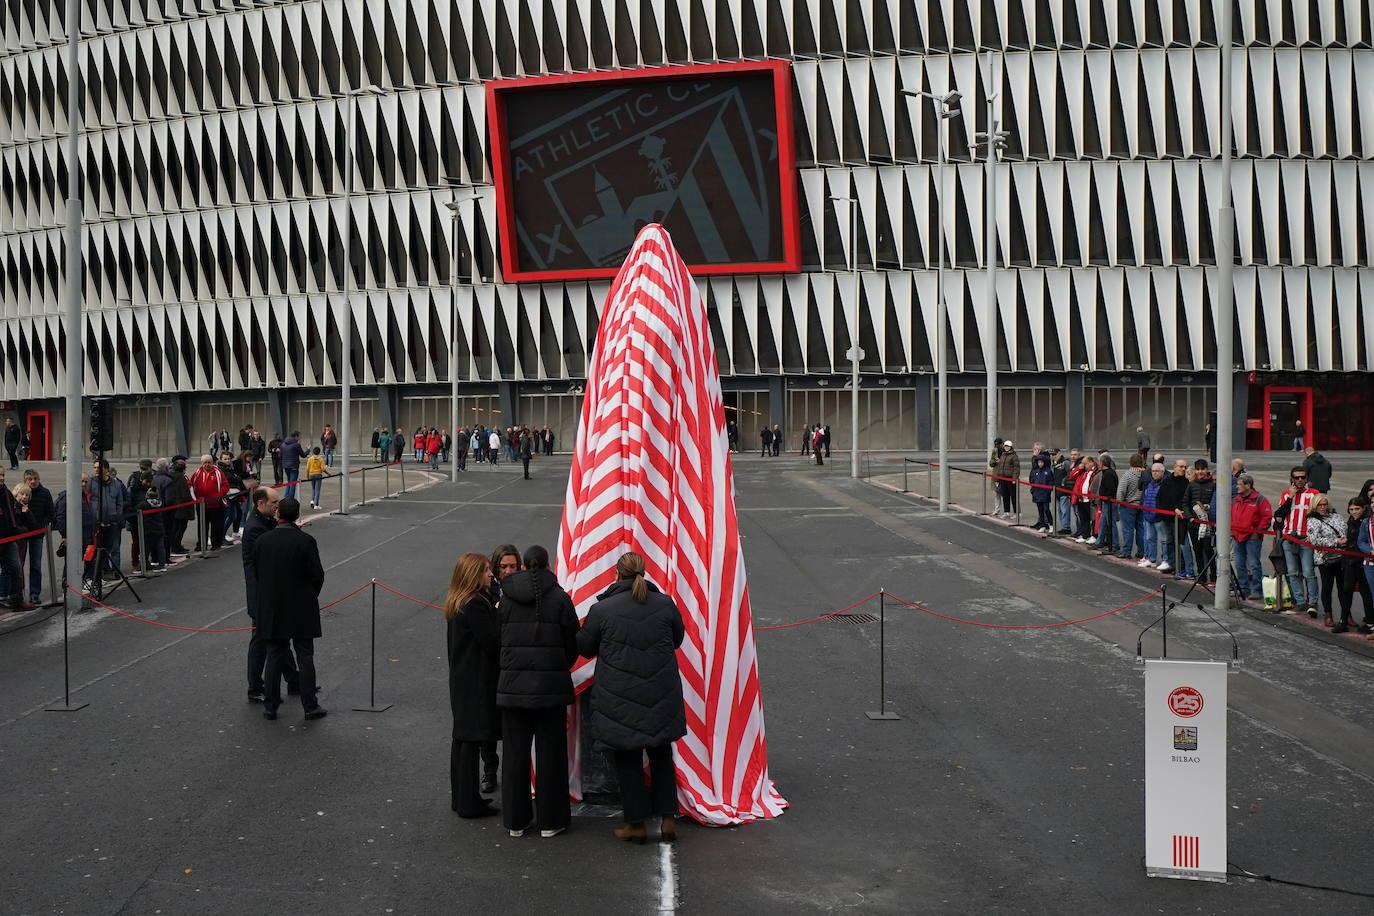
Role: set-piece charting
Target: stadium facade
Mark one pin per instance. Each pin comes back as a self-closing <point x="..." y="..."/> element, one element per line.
<point x="215" y="143"/>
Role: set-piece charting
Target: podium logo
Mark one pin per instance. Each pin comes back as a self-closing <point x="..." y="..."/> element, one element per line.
<point x="1186" y="853"/>
<point x="1185" y="702"/>
<point x="1185" y="738"/>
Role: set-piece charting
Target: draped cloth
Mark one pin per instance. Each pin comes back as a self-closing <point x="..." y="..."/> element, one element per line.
<point x="651" y="473"/>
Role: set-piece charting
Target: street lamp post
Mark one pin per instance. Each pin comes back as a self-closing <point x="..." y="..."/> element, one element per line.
<point x="346" y="325"/>
<point x="995" y="140"/>
<point x="1225" y="318"/>
<point x="455" y="208"/>
<point x="855" y="354"/>
<point x="946" y="107"/>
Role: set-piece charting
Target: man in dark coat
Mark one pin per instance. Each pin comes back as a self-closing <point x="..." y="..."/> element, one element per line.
<point x="290" y="576"/>
<point x="474" y="642"/>
<point x="262" y="518"/>
<point x="40" y="511"/>
<point x="14" y="437"/>
<point x="538" y="647"/>
<point x="1318" y="470"/>
<point x="637" y="694"/>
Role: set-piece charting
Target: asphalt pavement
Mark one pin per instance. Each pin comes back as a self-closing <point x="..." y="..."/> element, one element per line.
<point x="1012" y="784"/>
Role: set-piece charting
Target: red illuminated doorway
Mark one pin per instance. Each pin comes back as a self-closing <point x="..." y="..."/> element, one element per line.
<point x="38" y="425"/>
<point x="1283" y="408"/>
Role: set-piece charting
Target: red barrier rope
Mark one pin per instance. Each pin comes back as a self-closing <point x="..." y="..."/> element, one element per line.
<point x="158" y="623"/>
<point x="411" y="598"/>
<point x="802" y="623"/>
<point x="325" y="607"/>
<point x="1022" y="626"/>
<point x="26" y="535"/>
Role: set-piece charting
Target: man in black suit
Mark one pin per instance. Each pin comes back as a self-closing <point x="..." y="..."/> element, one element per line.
<point x="14" y="437"/>
<point x="290" y="576"/>
<point x="261" y="519"/>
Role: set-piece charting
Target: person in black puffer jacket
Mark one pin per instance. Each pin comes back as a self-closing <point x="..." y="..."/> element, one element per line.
<point x="538" y="647"/>
<point x="637" y="708"/>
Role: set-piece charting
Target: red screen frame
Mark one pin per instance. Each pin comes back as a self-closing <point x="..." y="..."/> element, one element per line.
<point x="497" y="90"/>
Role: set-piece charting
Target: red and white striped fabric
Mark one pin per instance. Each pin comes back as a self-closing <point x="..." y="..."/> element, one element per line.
<point x="651" y="473"/>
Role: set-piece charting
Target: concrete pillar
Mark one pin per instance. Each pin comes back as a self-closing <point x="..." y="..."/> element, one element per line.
<point x="777" y="402"/>
<point x="1240" y="409"/>
<point x="508" y="394"/>
<point x="925" y="413"/>
<point x="277" y="416"/>
<point x="1074" y="404"/>
<point x="181" y="423"/>
<point x="388" y="405"/>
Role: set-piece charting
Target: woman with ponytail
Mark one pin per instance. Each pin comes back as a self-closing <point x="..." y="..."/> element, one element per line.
<point x="474" y="644"/>
<point x="637" y="709"/>
<point x="538" y="647"/>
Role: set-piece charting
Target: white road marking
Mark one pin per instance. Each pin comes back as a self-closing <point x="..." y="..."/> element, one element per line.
<point x="667" y="878"/>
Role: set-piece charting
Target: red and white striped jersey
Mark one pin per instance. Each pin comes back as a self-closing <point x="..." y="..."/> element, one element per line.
<point x="1296" y="522"/>
<point x="651" y="473"/>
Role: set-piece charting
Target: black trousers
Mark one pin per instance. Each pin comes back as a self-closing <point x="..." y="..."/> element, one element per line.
<point x="463" y="779"/>
<point x="1331" y="575"/>
<point x="547" y="730"/>
<point x="276" y="471"/>
<point x="491" y="761"/>
<point x="278" y="653"/>
<point x="14" y="457"/>
<point x="1085" y="519"/>
<point x="214" y="521"/>
<point x="525" y="460"/>
<point x="257" y="664"/>
<point x="659" y="797"/>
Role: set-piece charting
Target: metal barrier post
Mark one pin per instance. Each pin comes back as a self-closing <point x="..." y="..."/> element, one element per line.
<point x="985" y="493"/>
<point x="882" y="715"/>
<point x="403" y="476"/>
<point x="386" y="483"/>
<point x="1016" y="499"/>
<point x="55" y="592"/>
<point x="904" y="464"/>
<point x="372" y="682"/>
<point x="930" y="478"/>
<point x="202" y="529"/>
<point x="142" y="545"/>
<point x="362" y="479"/>
<point x="67" y="705"/>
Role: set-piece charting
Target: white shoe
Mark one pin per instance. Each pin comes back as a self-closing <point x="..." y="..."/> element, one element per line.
<point x="517" y="833"/>
<point x="1091" y="541"/>
<point x="552" y="833"/>
<point x="1164" y="567"/>
<point x="1080" y="540"/>
<point x="1144" y="561"/>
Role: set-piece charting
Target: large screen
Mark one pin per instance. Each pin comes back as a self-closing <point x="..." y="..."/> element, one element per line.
<point x="582" y="162"/>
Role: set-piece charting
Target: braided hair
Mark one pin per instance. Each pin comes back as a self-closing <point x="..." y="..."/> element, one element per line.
<point x="535" y="559"/>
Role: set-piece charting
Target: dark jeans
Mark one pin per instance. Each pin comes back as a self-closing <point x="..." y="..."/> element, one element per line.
<point x="109" y="542"/>
<point x="36" y="549"/>
<point x="257" y="663"/>
<point x="640" y="801"/>
<point x="1007" y="490"/>
<point x="176" y="535"/>
<point x="1043" y="517"/>
<point x="547" y="729"/>
<point x="525" y="460"/>
<point x="279" y="659"/>
<point x="292" y="475"/>
<point x="1085" y="519"/>
<point x="276" y="471"/>
<point x="14" y="458"/>
<point x="1204" y="554"/>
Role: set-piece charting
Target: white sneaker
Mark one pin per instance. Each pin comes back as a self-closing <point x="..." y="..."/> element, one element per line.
<point x="1080" y="540"/>
<point x="1164" y="567"/>
<point x="551" y="833"/>
<point x="1090" y="541"/>
<point x="1144" y="561"/>
<point x="517" y="833"/>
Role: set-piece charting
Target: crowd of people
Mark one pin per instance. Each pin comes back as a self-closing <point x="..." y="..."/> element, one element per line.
<point x="1161" y="512"/>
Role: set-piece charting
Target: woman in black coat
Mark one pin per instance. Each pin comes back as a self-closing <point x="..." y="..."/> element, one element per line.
<point x="637" y="695"/>
<point x="474" y="644"/>
<point x="538" y="647"/>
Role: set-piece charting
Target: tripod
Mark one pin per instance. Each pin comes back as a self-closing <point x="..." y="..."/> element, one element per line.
<point x="1237" y="596"/>
<point x="102" y="556"/>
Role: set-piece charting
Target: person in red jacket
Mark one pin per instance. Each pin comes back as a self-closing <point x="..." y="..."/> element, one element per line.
<point x="434" y="443"/>
<point x="211" y="485"/>
<point x="1251" y="516"/>
<point x="1084" y="487"/>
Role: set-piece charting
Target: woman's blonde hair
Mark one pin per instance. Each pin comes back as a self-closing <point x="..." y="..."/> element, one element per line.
<point x="469" y="577"/>
<point x="22" y="489"/>
<point x="631" y="566"/>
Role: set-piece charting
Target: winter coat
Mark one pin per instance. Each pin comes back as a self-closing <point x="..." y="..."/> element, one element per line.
<point x="1107" y="485"/>
<point x="474" y="649"/>
<point x="1325" y="531"/>
<point x="1173" y="492"/>
<point x="1318" y="472"/>
<point x="398" y="445"/>
<point x="113" y="506"/>
<point x="292" y="453"/>
<point x="433" y="444"/>
<point x="290" y="576"/>
<point x="1009" y="465"/>
<point x="384" y="445"/>
<point x="538" y="642"/>
<point x="1199" y="493"/>
<point x="376" y="439"/>
<point x="254" y="527"/>
<point x="211" y="485"/>
<point x="1042" y="473"/>
<point x="1061" y="473"/>
<point x="59" y="519"/>
<point x="13" y="436"/>
<point x="41" y="506"/>
<point x="179" y="493"/>
<point x="637" y="692"/>
<point x="329" y="439"/>
<point x="12" y="520"/>
<point x="1251" y="517"/>
<point x="144" y="500"/>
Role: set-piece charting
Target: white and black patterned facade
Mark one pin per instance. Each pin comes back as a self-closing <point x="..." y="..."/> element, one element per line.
<point x="213" y="160"/>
